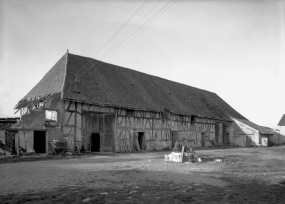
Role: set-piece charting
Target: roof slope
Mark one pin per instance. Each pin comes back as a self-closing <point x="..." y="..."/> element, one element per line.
<point x="110" y="85"/>
<point x="261" y="129"/>
<point x="49" y="85"/>
<point x="107" y="84"/>
<point x="282" y="121"/>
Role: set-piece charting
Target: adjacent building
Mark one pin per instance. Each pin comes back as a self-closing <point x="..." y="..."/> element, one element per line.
<point x="281" y="130"/>
<point x="7" y="136"/>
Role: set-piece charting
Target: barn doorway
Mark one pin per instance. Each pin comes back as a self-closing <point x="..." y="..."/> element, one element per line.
<point x="203" y="139"/>
<point x="95" y="142"/>
<point x="174" y="138"/>
<point x="248" y="141"/>
<point x="40" y="141"/>
<point x="141" y="139"/>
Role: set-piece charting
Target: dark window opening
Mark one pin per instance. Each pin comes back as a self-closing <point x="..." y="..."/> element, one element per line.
<point x="165" y="115"/>
<point x="129" y="112"/>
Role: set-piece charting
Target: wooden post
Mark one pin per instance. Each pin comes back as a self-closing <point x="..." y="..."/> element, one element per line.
<point x="25" y="141"/>
<point x="75" y="125"/>
<point x="17" y="143"/>
<point x="46" y="141"/>
<point x="115" y="130"/>
<point x="182" y="154"/>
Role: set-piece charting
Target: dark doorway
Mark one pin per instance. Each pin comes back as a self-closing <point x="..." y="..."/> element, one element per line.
<point x="248" y="141"/>
<point x="40" y="141"/>
<point x="174" y="139"/>
<point x="203" y="139"/>
<point x="141" y="140"/>
<point x="95" y="142"/>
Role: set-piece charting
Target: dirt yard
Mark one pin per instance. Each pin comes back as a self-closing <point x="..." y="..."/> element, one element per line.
<point x="246" y="175"/>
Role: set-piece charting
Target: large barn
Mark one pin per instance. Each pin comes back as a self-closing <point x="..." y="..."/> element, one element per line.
<point x="104" y="107"/>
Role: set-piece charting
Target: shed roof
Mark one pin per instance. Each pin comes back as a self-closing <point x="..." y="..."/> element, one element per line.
<point x="282" y="121"/>
<point x="9" y="120"/>
<point x="260" y="129"/>
<point x="91" y="81"/>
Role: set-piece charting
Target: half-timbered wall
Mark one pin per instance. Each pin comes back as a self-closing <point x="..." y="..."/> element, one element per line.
<point x="157" y="130"/>
<point x="73" y="127"/>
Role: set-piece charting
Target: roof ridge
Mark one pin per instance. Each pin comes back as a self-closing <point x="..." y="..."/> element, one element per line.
<point x="121" y="67"/>
<point x="282" y="121"/>
<point x="64" y="75"/>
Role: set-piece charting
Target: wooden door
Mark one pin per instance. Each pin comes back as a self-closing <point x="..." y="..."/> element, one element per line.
<point x="225" y="135"/>
<point x="102" y="126"/>
<point x="248" y="141"/>
<point x="217" y="132"/>
<point x="108" y="131"/>
<point x="90" y="126"/>
<point x="203" y="139"/>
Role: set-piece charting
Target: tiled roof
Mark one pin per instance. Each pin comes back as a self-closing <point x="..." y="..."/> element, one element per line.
<point x="95" y="82"/>
<point x="49" y="85"/>
<point x="282" y="121"/>
<point x="260" y="129"/>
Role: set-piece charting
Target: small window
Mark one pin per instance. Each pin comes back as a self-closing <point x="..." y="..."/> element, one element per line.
<point x="51" y="116"/>
<point x="129" y="112"/>
<point x="165" y="115"/>
<point x="24" y="111"/>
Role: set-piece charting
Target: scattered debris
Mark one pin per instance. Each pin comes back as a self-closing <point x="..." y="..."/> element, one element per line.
<point x="282" y="182"/>
<point x="218" y="160"/>
<point x="85" y="200"/>
<point x="34" y="196"/>
<point x="182" y="154"/>
<point x="133" y="192"/>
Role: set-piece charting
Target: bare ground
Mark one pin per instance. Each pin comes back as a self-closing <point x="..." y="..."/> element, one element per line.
<point x="246" y="175"/>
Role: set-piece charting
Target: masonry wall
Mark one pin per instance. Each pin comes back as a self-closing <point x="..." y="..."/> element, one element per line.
<point x="244" y="135"/>
<point x="35" y="120"/>
<point x="279" y="138"/>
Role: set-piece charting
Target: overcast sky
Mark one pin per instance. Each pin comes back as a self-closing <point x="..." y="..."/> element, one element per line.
<point x="233" y="48"/>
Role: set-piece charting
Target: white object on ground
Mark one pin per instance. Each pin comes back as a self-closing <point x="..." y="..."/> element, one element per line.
<point x="218" y="160"/>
